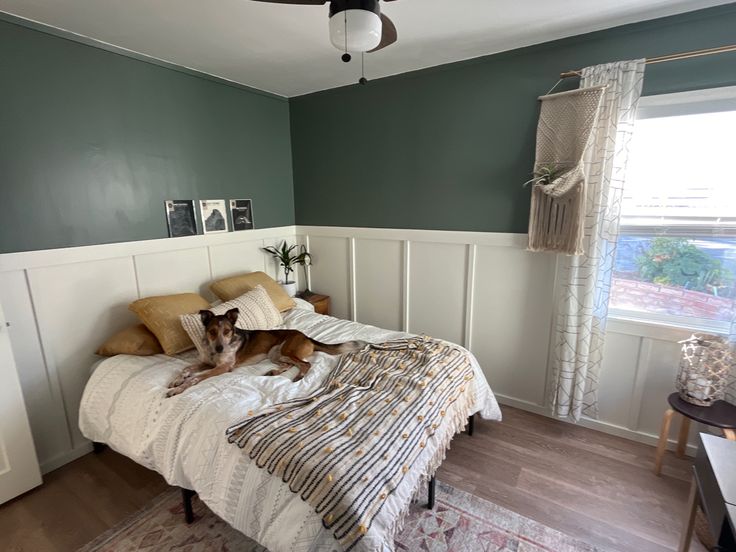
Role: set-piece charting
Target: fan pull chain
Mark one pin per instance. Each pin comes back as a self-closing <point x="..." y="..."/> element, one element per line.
<point x="362" y="80"/>
<point x="346" y="57"/>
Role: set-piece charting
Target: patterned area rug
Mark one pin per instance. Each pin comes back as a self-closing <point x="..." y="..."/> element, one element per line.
<point x="460" y="522"/>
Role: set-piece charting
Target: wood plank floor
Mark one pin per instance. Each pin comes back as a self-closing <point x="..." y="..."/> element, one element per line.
<point x="590" y="485"/>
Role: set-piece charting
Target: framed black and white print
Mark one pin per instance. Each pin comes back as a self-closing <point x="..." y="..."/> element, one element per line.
<point x="180" y="217"/>
<point x="214" y="215"/>
<point x="242" y="213"/>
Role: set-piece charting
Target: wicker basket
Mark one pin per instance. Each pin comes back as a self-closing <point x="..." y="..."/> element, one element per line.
<point x="704" y="367"/>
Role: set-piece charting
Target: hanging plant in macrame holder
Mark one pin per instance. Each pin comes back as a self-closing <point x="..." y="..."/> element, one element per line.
<point x="567" y="122"/>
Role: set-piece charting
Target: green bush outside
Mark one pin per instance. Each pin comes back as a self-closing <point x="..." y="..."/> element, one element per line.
<point x="677" y="262"/>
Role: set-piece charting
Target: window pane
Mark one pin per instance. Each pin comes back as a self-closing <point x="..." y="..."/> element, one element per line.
<point x="676" y="257"/>
<point x="680" y="172"/>
<point x="676" y="276"/>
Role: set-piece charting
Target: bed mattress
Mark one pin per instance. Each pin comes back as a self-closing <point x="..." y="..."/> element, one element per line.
<point x="183" y="438"/>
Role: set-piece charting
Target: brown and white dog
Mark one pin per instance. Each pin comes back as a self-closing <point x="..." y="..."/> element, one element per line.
<point x="227" y="347"/>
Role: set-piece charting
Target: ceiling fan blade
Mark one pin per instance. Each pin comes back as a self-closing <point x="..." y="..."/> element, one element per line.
<point x="295" y="2"/>
<point x="388" y="35"/>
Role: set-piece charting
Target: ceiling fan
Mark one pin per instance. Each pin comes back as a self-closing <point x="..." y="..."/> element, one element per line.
<point x="355" y="25"/>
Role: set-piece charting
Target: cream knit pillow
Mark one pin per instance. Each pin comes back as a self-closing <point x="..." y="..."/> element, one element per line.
<point x="257" y="312"/>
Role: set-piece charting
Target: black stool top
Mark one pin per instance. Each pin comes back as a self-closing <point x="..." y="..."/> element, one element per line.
<point x="719" y="414"/>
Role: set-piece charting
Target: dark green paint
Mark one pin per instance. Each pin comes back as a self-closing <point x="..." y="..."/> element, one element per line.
<point x="448" y="148"/>
<point x="92" y="143"/>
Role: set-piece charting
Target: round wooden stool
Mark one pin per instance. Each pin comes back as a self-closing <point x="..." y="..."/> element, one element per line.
<point x="720" y="414"/>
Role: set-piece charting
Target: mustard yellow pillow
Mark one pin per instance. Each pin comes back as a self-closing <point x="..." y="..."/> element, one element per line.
<point x="228" y="289"/>
<point x="135" y="340"/>
<point x="161" y="316"/>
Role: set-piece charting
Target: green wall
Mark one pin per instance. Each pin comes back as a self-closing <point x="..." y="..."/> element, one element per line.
<point x="448" y="148"/>
<point x="93" y="142"/>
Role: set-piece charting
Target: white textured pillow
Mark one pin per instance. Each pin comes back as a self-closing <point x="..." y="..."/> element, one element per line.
<point x="257" y="312"/>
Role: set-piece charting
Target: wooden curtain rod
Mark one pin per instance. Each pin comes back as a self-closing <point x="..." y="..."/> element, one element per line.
<point x="669" y="57"/>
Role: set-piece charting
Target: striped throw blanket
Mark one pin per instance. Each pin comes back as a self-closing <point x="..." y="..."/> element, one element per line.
<point x="347" y="447"/>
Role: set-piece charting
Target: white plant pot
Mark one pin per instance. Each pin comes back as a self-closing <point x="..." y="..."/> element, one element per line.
<point x="289" y="288"/>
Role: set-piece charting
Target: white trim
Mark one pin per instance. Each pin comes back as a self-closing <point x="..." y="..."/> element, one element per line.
<point x="522" y="405"/>
<point x="643" y="357"/>
<point x="687" y="323"/>
<point x="352" y="276"/>
<point x="67" y="255"/>
<point x="597" y="425"/>
<point x="405" y="292"/>
<point x="472" y="252"/>
<point x="65" y="457"/>
<point x="649" y="328"/>
<point x="309" y="266"/>
<point x="705" y="100"/>
<point x="494" y="239"/>
<point x="632" y="435"/>
<point x="47" y="353"/>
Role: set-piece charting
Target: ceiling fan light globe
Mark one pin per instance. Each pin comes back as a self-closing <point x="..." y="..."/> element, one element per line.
<point x="363" y="27"/>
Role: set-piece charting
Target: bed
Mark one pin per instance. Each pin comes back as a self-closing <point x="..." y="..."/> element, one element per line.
<point x="183" y="438"/>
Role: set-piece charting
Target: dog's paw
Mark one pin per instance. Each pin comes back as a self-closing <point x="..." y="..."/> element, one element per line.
<point x="183" y="377"/>
<point x="189" y="382"/>
<point x="177" y="390"/>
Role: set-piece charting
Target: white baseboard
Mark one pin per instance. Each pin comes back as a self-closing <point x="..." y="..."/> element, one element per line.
<point x="65" y="457"/>
<point x="597" y="425"/>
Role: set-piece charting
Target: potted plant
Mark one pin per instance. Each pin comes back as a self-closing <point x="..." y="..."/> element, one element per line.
<point x="545" y="175"/>
<point x="288" y="256"/>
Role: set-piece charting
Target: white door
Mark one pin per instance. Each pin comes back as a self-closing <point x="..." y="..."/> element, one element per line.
<point x="19" y="470"/>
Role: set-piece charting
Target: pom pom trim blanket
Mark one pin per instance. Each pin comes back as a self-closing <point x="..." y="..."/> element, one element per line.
<point x="183" y="438"/>
<point x="345" y="449"/>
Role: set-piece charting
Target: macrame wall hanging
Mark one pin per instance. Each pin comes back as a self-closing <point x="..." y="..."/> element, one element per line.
<point x="567" y="122"/>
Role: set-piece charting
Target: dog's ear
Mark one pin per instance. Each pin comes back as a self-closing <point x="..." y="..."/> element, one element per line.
<point x="232" y="315"/>
<point x="206" y="317"/>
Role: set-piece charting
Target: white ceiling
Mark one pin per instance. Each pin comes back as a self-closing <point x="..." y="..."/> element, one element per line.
<point x="286" y="49"/>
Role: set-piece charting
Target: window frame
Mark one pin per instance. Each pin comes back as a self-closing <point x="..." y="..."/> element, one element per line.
<point x="690" y="102"/>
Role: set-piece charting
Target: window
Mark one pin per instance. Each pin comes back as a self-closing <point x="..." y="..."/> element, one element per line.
<point x="676" y="254"/>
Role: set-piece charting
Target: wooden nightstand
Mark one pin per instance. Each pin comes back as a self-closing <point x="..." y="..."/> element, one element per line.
<point x="321" y="302"/>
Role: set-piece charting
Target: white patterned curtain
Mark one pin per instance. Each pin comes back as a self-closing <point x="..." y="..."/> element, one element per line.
<point x="584" y="280"/>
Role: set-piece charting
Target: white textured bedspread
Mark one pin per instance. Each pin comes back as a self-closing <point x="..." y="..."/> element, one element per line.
<point x="183" y="437"/>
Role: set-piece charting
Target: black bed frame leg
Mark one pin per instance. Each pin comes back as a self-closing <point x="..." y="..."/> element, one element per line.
<point x="97" y="448"/>
<point x="471" y="424"/>
<point x="186" y="498"/>
<point x="430" y="493"/>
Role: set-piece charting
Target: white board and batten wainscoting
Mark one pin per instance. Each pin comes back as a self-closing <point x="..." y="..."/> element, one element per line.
<point x="486" y="292"/>
<point x="19" y="469"/>
<point x="482" y="290"/>
<point x="61" y="304"/>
